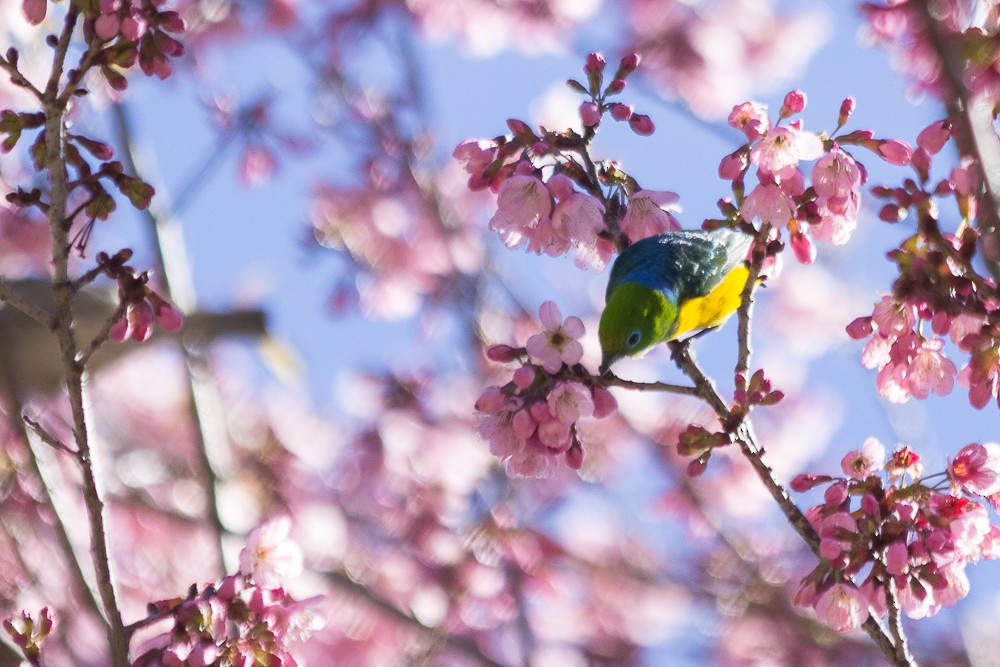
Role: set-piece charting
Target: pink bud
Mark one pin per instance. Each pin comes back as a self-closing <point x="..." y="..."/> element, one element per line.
<point x="172" y="22"/>
<point x="732" y="166"/>
<point x="860" y="327"/>
<point x="803" y="482"/>
<point x="795" y="102"/>
<point x="869" y="505"/>
<point x="897" y="559"/>
<point x="698" y="466"/>
<point x="921" y="161"/>
<point x="500" y="353"/>
<point x="895" y="151"/>
<point x="616" y="86"/>
<point x="846" y="109"/>
<point x="595" y="63"/>
<point x="620" y="111"/>
<point x="120" y="331"/>
<point x="574" y="456"/>
<point x="590" y="114"/>
<point x="628" y="65"/>
<point x="106" y="26"/>
<point x="524" y="377"/>
<point x="491" y="401"/>
<point x="168" y="317"/>
<point x="892" y="213"/>
<point x="523" y="425"/>
<point x="641" y="124"/>
<point x="604" y="402"/>
<point x="803" y="248"/>
<point x="835" y="494"/>
<point x="933" y="137"/>
<point x="34" y="10"/>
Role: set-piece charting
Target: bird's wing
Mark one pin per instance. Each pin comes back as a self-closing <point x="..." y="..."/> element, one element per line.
<point x="686" y="263"/>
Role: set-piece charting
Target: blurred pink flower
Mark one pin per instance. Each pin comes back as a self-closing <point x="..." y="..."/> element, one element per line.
<point x="269" y="556"/>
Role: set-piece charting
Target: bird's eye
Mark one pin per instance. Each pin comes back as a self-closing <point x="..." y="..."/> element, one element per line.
<point x="633" y="338"/>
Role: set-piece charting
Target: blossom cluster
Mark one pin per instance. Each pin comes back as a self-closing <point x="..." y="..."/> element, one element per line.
<point x="551" y="198"/>
<point x="245" y="619"/>
<point x="531" y="421"/>
<point x="826" y="210"/>
<point x="885" y="523"/>
<point x="939" y="285"/>
<point x="141" y="304"/>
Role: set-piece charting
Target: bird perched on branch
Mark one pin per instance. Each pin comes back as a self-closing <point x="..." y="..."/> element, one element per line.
<point x="667" y="285"/>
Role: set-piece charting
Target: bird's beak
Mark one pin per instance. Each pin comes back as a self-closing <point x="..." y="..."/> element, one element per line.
<point x="606" y="361"/>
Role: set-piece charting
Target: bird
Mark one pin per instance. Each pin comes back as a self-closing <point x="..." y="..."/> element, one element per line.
<point x="664" y="286"/>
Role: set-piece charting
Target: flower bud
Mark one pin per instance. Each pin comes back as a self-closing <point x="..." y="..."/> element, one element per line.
<point x="846" y="109"/>
<point x="641" y="124"/>
<point x="795" y="102"/>
<point x="860" y="327"/>
<point x="590" y="114"/>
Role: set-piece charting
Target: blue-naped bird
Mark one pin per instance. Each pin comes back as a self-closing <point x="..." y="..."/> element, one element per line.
<point x="667" y="285"/>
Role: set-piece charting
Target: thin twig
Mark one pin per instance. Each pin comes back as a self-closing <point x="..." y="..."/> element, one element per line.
<point x="55" y="164"/>
<point x="458" y="644"/>
<point x="101" y="337"/>
<point x="17" y="78"/>
<point x="9" y="295"/>
<point x="47" y="437"/>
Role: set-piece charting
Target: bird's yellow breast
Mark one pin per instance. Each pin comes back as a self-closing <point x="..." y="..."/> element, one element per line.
<point x="711" y="310"/>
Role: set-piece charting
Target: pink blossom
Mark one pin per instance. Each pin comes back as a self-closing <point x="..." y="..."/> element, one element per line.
<point x="904" y="462"/>
<point x="976" y="469"/>
<point x="916" y="599"/>
<point x="269" y="556"/>
<point x="522" y="202"/>
<point x="557" y="344"/>
<point x="891" y="384"/>
<point x="894" y="317"/>
<point x="579" y="217"/>
<point x="876" y="353"/>
<point x="648" y="214"/>
<point x="965" y="324"/>
<point x="140" y="321"/>
<point x="837" y="179"/>
<point x="750" y="118"/>
<point x="957" y="585"/>
<point x="569" y="401"/>
<point x="842" y="607"/>
<point x="534" y="459"/>
<point x="863" y="463"/>
<point x="780" y="149"/>
<point x="930" y="371"/>
<point x="769" y="204"/>
<point x="560" y="186"/>
<point x="475" y="157"/>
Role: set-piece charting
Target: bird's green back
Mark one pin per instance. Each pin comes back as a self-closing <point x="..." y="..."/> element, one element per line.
<point x="683" y="264"/>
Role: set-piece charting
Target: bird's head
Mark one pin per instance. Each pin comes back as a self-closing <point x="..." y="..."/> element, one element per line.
<point x="635" y="318"/>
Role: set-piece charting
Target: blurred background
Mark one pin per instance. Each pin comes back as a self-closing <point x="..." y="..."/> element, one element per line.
<point x="301" y="156"/>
